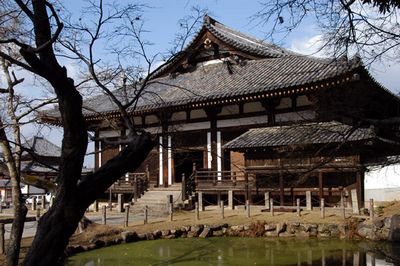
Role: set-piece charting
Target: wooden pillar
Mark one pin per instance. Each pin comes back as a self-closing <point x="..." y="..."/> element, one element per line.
<point x="282" y="191"/>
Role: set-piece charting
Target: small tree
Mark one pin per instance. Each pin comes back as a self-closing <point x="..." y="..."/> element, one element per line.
<point x="38" y="52"/>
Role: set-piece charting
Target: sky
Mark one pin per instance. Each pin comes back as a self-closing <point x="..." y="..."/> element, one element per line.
<point x="161" y="23"/>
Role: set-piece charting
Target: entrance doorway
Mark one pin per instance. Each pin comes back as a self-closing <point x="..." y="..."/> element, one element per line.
<point x="184" y="163"/>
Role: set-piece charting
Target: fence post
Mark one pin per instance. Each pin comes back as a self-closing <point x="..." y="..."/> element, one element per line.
<point x="146" y="213"/>
<point x="126" y="222"/>
<point x="266" y="200"/>
<point x="183" y="187"/>
<point x="298" y="206"/>
<point x="221" y="205"/>
<point x="248" y="208"/>
<point x="171" y="207"/>
<point x="104" y="215"/>
<point x="271" y="206"/>
<point x="308" y="201"/>
<point x="201" y="206"/>
<point x="196" y="209"/>
<point x="37" y="214"/>
<point x="230" y="200"/>
<point x="371" y="209"/>
<point x="354" y="201"/>
<point x="96" y="206"/>
<point x="120" y="203"/>
<point x="33" y="207"/>
<point x="2" y="239"/>
<point x="323" y="208"/>
<point x="43" y="202"/>
<point x="135" y="189"/>
<point x="147" y="177"/>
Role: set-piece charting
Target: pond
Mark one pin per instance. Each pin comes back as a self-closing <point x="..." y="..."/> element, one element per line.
<point x="241" y="251"/>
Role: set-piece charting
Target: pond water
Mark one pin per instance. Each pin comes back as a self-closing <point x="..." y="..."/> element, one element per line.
<point x="241" y="251"/>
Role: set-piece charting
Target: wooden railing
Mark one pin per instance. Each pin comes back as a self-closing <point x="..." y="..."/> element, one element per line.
<point x="136" y="183"/>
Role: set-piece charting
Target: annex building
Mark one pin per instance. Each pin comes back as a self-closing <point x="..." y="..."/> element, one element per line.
<point x="238" y="117"/>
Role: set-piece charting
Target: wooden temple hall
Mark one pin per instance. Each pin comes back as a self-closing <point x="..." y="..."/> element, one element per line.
<point x="239" y="118"/>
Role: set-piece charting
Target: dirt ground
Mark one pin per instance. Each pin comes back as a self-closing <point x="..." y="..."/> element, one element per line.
<point x="213" y="216"/>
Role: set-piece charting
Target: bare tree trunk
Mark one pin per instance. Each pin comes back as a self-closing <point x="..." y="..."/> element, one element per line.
<point x="20" y="210"/>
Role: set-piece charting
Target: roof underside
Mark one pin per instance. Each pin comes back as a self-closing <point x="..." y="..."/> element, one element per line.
<point x="305" y="134"/>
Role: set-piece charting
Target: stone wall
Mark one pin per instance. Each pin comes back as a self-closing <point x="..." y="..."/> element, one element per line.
<point x="378" y="229"/>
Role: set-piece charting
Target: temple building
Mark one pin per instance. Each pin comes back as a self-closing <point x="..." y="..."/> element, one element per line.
<point x="233" y="114"/>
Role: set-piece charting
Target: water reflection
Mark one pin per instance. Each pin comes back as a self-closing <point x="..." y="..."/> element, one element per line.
<point x="243" y="251"/>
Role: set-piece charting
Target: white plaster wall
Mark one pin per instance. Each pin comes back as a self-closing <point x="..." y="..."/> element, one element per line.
<point x="383" y="184"/>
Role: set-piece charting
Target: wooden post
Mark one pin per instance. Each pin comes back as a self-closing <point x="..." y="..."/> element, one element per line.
<point x="37" y="214"/>
<point x="308" y="201"/>
<point x="218" y="197"/>
<point x="342" y="199"/>
<point x="183" y="187"/>
<point x="248" y="208"/>
<point x="354" y="201"/>
<point x="110" y="200"/>
<point x="321" y="185"/>
<point x="298" y="206"/>
<point x="96" y="206"/>
<point x="323" y="208"/>
<point x="230" y="200"/>
<point x="196" y="209"/>
<point x="120" y="203"/>
<point x="2" y="239"/>
<point x="43" y="202"/>
<point x="51" y="201"/>
<point x="234" y="179"/>
<point x="135" y="189"/>
<point x="371" y="209"/>
<point x="126" y="222"/>
<point x="146" y="213"/>
<point x="266" y="200"/>
<point x="282" y="191"/>
<point x="344" y="211"/>
<point x="33" y="207"/>
<point x="104" y="215"/>
<point x="171" y="207"/>
<point x="271" y="206"/>
<point x="201" y="206"/>
<point x="221" y="206"/>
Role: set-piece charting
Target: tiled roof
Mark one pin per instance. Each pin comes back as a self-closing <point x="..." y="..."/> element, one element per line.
<point x="312" y="133"/>
<point x="243" y="41"/>
<point x="42" y="147"/>
<point x="216" y="81"/>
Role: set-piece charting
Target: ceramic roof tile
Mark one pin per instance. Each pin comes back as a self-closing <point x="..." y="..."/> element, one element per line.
<point x="312" y="133"/>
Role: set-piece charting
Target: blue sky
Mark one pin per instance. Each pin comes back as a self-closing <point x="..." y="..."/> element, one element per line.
<point x="161" y="21"/>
